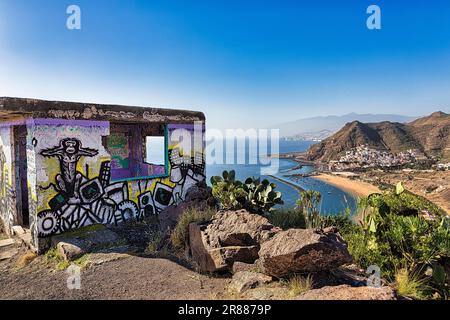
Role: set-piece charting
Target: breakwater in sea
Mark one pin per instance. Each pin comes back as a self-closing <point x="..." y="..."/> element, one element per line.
<point x="296" y="187"/>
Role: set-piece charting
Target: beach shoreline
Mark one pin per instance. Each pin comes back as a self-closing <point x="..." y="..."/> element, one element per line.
<point x="355" y="187"/>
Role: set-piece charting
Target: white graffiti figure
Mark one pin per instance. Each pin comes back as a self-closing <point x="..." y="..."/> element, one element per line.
<point x="69" y="152"/>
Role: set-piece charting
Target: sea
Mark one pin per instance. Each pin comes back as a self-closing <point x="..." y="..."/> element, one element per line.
<point x="334" y="200"/>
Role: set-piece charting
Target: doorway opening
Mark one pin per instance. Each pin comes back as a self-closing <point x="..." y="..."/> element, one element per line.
<point x="20" y="151"/>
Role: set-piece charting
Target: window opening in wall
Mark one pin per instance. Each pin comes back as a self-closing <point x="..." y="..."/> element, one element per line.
<point x="138" y="151"/>
<point x="155" y="150"/>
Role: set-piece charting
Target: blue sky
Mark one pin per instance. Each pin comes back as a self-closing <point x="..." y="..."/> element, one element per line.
<point x="244" y="63"/>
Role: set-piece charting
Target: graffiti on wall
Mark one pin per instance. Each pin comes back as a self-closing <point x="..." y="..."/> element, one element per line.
<point x="6" y="190"/>
<point x="69" y="153"/>
<point x="81" y="200"/>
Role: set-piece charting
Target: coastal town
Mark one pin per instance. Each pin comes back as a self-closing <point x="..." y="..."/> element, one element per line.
<point x="363" y="170"/>
<point x="364" y="157"/>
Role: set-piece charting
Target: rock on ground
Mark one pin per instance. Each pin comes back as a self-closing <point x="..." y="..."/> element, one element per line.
<point x="72" y="250"/>
<point x="73" y="245"/>
<point x="245" y="280"/>
<point x="7" y="242"/>
<point x="303" y="251"/>
<point x="8" y="254"/>
<point x="231" y="236"/>
<point x="208" y="259"/>
<point x="238" y="228"/>
<point x="346" y="292"/>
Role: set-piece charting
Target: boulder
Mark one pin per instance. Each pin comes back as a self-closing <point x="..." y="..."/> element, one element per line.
<point x="346" y="292"/>
<point x="229" y="237"/>
<point x="169" y="217"/>
<point x="225" y="257"/>
<point x="303" y="251"/>
<point x="7" y="243"/>
<point x="199" y="192"/>
<point x="239" y="228"/>
<point x="245" y="280"/>
<point x="17" y="230"/>
<point x="209" y="259"/>
<point x="74" y="244"/>
<point x="8" y="254"/>
<point x="71" y="251"/>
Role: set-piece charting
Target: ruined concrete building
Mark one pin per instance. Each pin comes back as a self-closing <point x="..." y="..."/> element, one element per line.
<point x="65" y="165"/>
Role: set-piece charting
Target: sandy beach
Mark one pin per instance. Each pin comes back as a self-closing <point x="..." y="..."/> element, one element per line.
<point x="355" y="187"/>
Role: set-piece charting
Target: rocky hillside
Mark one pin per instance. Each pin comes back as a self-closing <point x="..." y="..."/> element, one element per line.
<point x="430" y="135"/>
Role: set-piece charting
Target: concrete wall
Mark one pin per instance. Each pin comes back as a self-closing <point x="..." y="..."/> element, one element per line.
<point x="7" y="185"/>
<point x="70" y="186"/>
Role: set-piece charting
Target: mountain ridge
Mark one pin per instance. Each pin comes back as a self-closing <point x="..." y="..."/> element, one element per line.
<point x="311" y="125"/>
<point x="429" y="134"/>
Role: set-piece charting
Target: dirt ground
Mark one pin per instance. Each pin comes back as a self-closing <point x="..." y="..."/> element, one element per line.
<point x="130" y="273"/>
<point x="130" y="277"/>
<point x="433" y="185"/>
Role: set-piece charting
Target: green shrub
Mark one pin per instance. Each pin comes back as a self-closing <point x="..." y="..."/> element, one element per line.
<point x="308" y="205"/>
<point x="342" y="221"/>
<point x="228" y="191"/>
<point x="180" y="233"/>
<point x="400" y="202"/>
<point x="52" y="256"/>
<point x="392" y="234"/>
<point x="254" y="195"/>
<point x="287" y="219"/>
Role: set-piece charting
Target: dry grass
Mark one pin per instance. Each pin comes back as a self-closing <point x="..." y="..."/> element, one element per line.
<point x="408" y="284"/>
<point x="26" y="259"/>
<point x="154" y="242"/>
<point x="298" y="285"/>
<point x="179" y="234"/>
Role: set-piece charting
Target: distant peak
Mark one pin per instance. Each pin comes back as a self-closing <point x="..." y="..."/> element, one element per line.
<point x="355" y="123"/>
<point x="438" y="114"/>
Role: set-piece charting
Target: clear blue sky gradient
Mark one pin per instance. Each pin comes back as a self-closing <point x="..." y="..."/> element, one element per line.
<point x="244" y="63"/>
